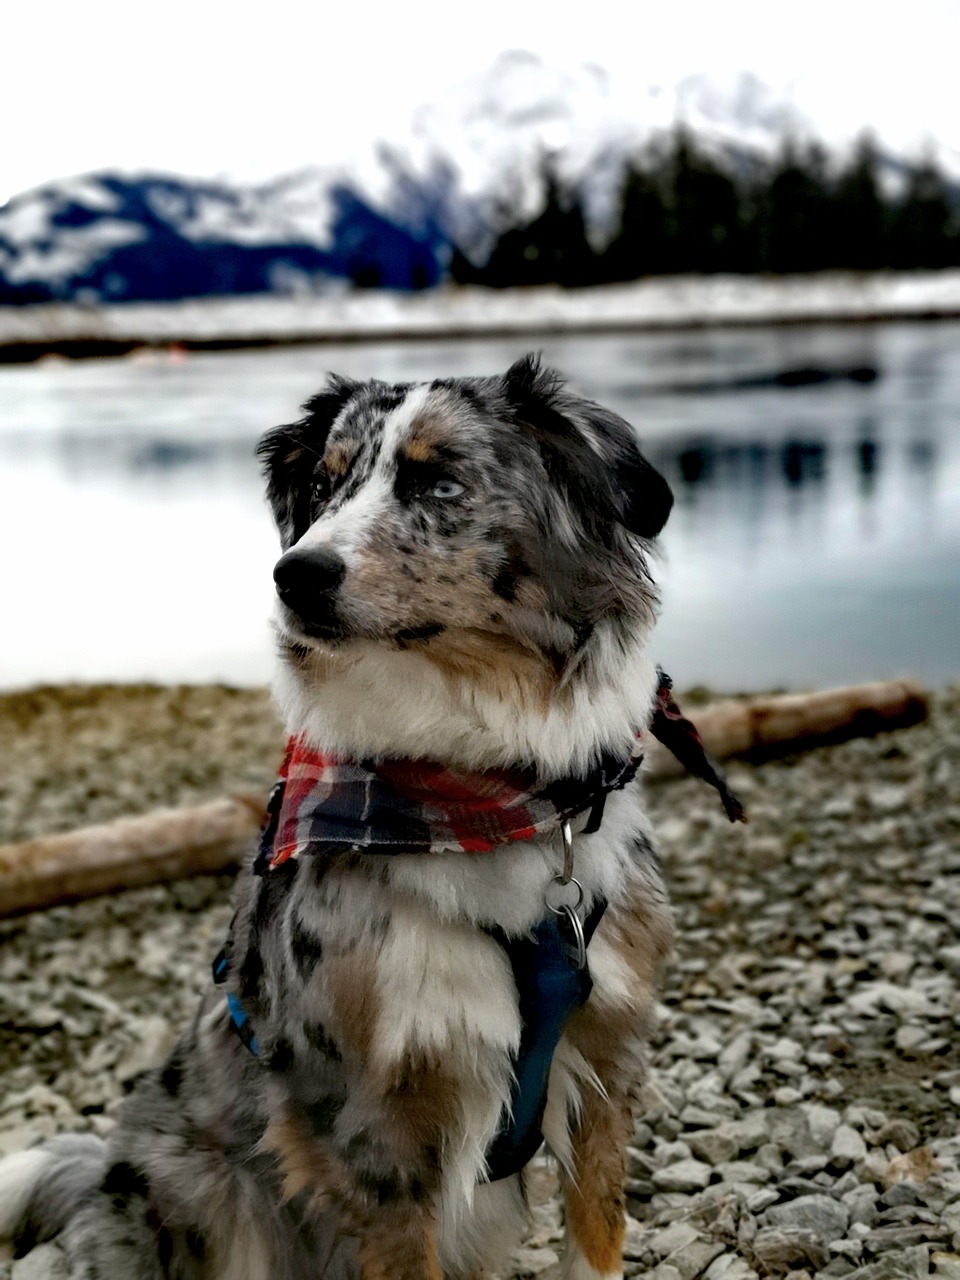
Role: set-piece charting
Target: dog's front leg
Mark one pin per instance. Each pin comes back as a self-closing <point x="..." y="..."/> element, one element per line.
<point x="378" y="1167"/>
<point x="594" y="1197"/>
<point x="626" y="953"/>
<point x="394" y="1163"/>
<point x="399" y="1244"/>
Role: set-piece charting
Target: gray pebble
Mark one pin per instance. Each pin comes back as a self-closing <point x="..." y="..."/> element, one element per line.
<point x="903" y="1193"/>
<point x="847" y="1147"/>
<point x="779" y="1249"/>
<point x="684" y="1175"/>
<point x="714" y="1145"/>
<point x="825" y="1217"/>
<point x="531" y="1262"/>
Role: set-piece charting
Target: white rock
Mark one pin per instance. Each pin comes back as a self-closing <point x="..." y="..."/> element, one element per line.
<point x="785" y="1049"/>
<point x="874" y="997"/>
<point x="684" y="1175"/>
<point x="848" y="1146"/>
<point x="742" y="1171"/>
<point x="635" y="1239"/>
<point x="714" y="1145"/>
<point x="530" y="1262"/>
<point x="825" y="1217"/>
<point x="946" y="1265"/>
<point x="823" y="1122"/>
<point x="729" y="1267"/>
<point x="909" y="1038"/>
<point x="678" y="1235"/>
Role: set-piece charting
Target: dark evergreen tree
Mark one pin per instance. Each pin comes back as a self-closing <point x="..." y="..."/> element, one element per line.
<point x="703" y="212"/>
<point x="792" y="212"/>
<point x="552" y="249"/>
<point x="860" y="220"/>
<point x="638" y="245"/>
<point x="925" y="230"/>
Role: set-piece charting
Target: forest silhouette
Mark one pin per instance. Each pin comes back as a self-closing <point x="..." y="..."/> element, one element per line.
<point x="680" y="210"/>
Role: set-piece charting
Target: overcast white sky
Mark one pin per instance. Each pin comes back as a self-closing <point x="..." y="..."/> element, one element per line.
<point x="250" y="91"/>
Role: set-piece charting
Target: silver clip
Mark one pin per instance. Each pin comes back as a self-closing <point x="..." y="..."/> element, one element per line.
<point x="567" y="836"/>
<point x="560" y="903"/>
<point x="578" y="939"/>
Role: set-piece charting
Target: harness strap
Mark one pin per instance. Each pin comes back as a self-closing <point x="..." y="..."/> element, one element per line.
<point x="238" y="1015"/>
<point x="550" y="988"/>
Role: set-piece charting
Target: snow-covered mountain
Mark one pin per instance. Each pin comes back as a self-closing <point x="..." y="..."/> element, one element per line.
<point x="118" y="237"/>
<point x="468" y="166"/>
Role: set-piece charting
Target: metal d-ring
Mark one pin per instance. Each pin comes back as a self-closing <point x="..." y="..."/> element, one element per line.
<point x="555" y="902"/>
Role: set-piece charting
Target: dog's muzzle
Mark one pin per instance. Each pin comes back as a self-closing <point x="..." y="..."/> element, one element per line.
<point x="308" y="579"/>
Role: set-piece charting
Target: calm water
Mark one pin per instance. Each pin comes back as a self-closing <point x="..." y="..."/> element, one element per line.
<point x="815" y="538"/>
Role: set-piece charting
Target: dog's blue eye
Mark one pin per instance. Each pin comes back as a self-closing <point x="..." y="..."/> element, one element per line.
<point x="447" y="489"/>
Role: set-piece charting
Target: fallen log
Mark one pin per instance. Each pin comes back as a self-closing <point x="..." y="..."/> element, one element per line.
<point x="761" y="727"/>
<point x="165" y="844"/>
<point x="127" y="853"/>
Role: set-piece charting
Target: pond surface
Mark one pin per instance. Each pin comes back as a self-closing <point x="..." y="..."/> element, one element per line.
<point x="815" y="538"/>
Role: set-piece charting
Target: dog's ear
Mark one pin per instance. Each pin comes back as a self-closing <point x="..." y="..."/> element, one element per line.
<point x="613" y="479"/>
<point x="290" y="454"/>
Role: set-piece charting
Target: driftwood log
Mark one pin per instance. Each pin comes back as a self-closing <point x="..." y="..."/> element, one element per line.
<point x="759" y="728"/>
<point x="168" y="843"/>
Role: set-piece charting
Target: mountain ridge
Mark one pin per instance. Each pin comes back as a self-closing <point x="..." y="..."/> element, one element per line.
<point x="469" y="167"/>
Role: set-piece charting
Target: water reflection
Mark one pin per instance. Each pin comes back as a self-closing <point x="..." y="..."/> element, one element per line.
<point x="815" y="536"/>
<point x="169" y="461"/>
<point x="783" y="379"/>
<point x="710" y="465"/>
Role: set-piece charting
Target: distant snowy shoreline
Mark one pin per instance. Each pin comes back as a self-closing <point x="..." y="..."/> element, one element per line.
<point x="665" y="303"/>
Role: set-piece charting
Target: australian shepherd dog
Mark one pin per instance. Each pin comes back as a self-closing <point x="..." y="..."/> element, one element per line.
<point x="464" y="594"/>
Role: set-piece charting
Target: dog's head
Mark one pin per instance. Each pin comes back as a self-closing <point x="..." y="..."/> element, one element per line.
<point x="482" y="521"/>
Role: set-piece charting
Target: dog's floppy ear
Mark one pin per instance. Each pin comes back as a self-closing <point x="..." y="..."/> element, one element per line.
<point x="646" y="496"/>
<point x="289" y="457"/>
<point x="613" y="478"/>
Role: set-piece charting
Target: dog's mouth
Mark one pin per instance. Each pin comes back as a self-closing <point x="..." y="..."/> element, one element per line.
<point x="299" y="633"/>
<point x="299" y="636"/>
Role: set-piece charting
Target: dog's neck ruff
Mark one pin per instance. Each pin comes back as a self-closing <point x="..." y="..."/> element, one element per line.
<point x="324" y="805"/>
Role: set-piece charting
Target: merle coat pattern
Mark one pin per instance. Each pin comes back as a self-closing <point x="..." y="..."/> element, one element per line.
<point x="464" y="578"/>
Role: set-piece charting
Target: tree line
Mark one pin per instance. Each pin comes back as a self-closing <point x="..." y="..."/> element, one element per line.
<point x="679" y="210"/>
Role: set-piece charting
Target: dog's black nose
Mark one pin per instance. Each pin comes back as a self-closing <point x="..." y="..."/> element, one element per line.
<point x="307" y="579"/>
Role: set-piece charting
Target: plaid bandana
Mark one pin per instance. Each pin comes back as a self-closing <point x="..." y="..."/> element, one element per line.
<point x="324" y="805"/>
<point x="321" y="804"/>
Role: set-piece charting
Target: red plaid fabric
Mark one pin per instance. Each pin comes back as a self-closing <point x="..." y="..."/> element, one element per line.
<point x="323" y="805"/>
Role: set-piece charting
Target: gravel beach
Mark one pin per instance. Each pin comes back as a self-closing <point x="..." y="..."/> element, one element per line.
<point x="800" y="1114"/>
